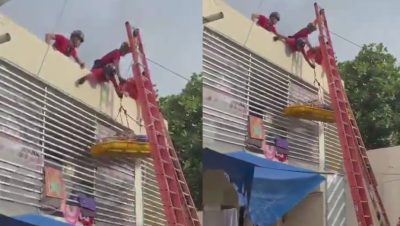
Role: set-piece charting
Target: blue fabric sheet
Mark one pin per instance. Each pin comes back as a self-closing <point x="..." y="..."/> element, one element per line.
<point x="9" y="221"/>
<point x="271" y="188"/>
<point x="40" y="220"/>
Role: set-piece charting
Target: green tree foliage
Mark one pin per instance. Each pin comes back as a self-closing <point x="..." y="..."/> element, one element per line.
<point x="184" y="115"/>
<point x="372" y="82"/>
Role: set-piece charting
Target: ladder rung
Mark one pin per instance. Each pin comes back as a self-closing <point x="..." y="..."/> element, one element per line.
<point x="152" y="105"/>
<point x="165" y="162"/>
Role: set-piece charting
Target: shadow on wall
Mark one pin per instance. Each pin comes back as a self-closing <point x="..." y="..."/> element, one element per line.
<point x="106" y="101"/>
<point x="297" y="64"/>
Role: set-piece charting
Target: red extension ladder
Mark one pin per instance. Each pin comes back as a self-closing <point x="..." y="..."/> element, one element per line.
<point x="358" y="168"/>
<point x="179" y="208"/>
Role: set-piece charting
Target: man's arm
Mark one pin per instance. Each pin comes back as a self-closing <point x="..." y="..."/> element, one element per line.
<point x="254" y="17"/>
<point x="49" y="37"/>
<point x="77" y="60"/>
<point x="279" y="37"/>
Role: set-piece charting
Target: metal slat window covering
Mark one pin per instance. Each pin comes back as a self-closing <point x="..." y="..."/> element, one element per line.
<point x="336" y="200"/>
<point x="153" y="210"/>
<point x="21" y="157"/>
<point x="39" y="126"/>
<point x="224" y="94"/>
<point x="303" y="134"/>
<point x="333" y="151"/>
<point x="233" y="72"/>
<point x="268" y="95"/>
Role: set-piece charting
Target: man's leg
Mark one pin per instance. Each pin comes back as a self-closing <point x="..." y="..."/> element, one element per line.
<point x="306" y="58"/>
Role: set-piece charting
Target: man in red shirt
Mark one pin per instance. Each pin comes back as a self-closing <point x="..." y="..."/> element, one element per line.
<point x="113" y="57"/>
<point x="299" y="40"/>
<point x="67" y="46"/>
<point x="267" y="23"/>
<point x="106" y="68"/>
<point x="315" y="54"/>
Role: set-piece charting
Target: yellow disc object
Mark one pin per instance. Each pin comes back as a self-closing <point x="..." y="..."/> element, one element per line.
<point x="121" y="147"/>
<point x="309" y="112"/>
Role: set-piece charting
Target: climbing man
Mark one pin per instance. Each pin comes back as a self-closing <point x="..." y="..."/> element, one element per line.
<point x="113" y="57"/>
<point x="106" y="68"/>
<point x="315" y="54"/>
<point x="67" y="46"/>
<point x="299" y="41"/>
<point x="267" y="23"/>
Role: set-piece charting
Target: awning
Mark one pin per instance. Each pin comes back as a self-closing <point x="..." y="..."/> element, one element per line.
<point x="271" y="188"/>
<point x="9" y="221"/>
<point x="40" y="220"/>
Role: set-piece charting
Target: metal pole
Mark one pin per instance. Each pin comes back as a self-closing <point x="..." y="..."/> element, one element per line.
<point x="5" y="38"/>
<point x="213" y="17"/>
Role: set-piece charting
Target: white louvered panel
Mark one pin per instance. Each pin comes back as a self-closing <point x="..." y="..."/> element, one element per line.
<point x="21" y="157"/>
<point x="225" y="74"/>
<point x="268" y="96"/>
<point x="336" y="200"/>
<point x="106" y="180"/>
<point x="117" y="202"/>
<point x="333" y="150"/>
<point x="234" y="74"/>
<point x="152" y="204"/>
<point x="303" y="134"/>
<point x="49" y="121"/>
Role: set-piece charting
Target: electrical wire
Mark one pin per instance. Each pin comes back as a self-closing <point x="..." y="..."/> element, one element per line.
<point x="161" y="66"/>
<point x="60" y="16"/>
<point x="346" y="39"/>
<point x="167" y="69"/>
<point x="252" y="24"/>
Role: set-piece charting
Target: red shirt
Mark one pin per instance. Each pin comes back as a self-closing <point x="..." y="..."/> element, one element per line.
<point x="303" y="33"/>
<point x="316" y="55"/>
<point x="62" y="44"/>
<point x="111" y="57"/>
<point x="264" y="22"/>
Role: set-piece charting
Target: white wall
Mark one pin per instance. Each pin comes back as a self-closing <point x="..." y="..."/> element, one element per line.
<point x="386" y="165"/>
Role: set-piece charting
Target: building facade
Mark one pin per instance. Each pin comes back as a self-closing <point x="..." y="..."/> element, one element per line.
<point x="45" y="121"/>
<point x="247" y="74"/>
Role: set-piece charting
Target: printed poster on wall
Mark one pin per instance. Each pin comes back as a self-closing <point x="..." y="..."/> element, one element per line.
<point x="256" y="128"/>
<point x="23" y="162"/>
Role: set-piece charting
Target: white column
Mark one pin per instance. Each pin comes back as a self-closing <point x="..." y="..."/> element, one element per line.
<point x="138" y="193"/>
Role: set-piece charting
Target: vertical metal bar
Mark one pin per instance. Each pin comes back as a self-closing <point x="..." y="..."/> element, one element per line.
<point x="139" y="193"/>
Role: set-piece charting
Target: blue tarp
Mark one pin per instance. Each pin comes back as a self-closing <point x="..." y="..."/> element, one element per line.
<point x="40" y="220"/>
<point x="9" y="221"/>
<point x="271" y="188"/>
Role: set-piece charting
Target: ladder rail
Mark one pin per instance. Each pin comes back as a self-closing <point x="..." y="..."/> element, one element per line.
<point x="367" y="168"/>
<point x="355" y="133"/>
<point x="185" y="195"/>
<point x="168" y="171"/>
<point x="346" y="135"/>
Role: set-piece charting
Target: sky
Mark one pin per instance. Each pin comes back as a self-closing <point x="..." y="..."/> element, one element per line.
<point x="171" y="31"/>
<point x="361" y="21"/>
